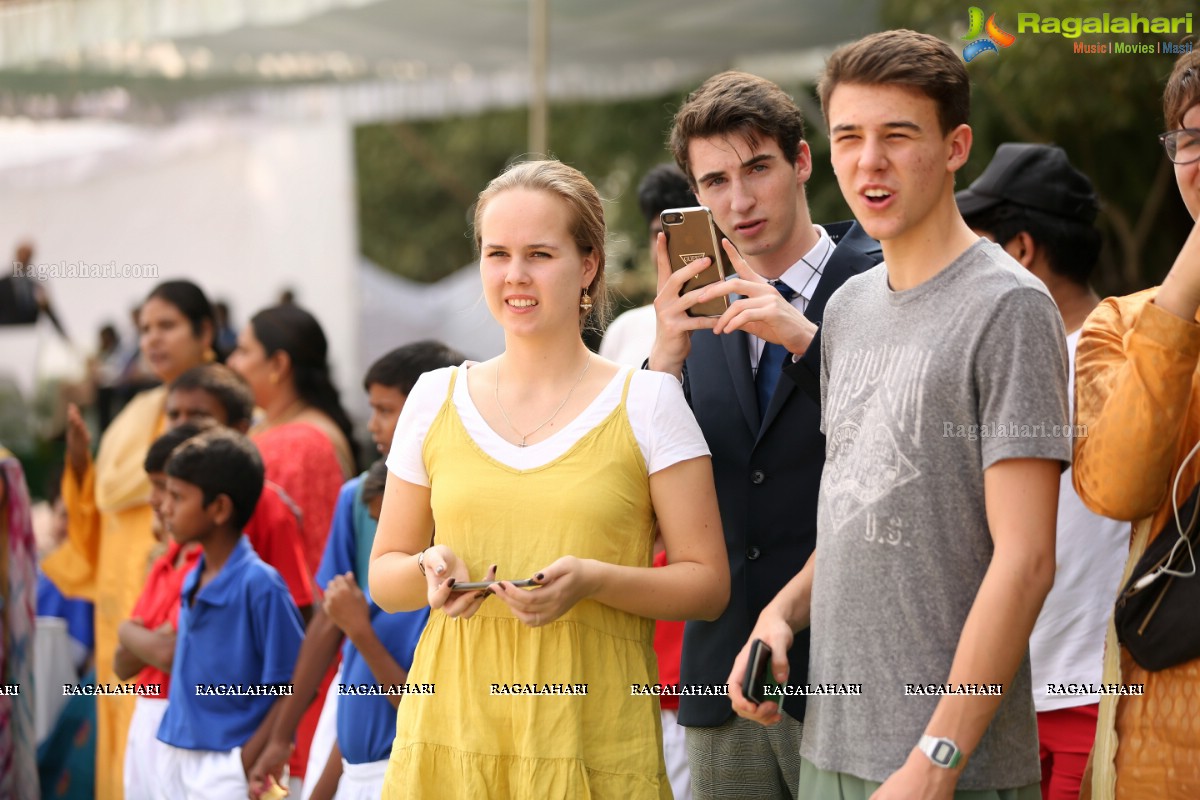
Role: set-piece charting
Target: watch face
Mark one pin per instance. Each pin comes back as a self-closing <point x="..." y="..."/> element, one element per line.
<point x="943" y="753"/>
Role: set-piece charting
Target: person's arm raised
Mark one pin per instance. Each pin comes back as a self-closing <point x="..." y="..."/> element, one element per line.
<point x="1132" y="386"/>
<point x="73" y="566"/>
<point x="673" y="329"/>
<point x="1180" y="291"/>
<point x="761" y="310"/>
<point x="347" y="606"/>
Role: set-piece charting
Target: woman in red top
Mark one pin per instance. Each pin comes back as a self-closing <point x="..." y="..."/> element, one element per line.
<point x="305" y="438"/>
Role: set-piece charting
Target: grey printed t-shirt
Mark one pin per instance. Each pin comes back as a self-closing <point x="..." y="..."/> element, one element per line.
<point x="922" y="391"/>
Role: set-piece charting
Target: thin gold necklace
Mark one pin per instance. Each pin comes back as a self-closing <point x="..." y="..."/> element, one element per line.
<point x="504" y="413"/>
<point x="294" y="409"/>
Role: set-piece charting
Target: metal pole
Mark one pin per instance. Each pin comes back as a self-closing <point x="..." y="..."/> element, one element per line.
<point x="539" y="45"/>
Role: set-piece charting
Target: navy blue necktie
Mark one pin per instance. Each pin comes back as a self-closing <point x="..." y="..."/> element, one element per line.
<point x="770" y="363"/>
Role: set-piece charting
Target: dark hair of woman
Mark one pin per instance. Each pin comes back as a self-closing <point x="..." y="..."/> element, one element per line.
<point x="189" y="299"/>
<point x="296" y="332"/>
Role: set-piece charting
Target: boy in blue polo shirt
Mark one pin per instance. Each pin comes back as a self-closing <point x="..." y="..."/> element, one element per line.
<point x="239" y="630"/>
<point x="375" y="658"/>
<point x="352" y="533"/>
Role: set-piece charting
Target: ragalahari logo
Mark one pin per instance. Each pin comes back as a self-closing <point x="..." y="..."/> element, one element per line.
<point x="994" y="40"/>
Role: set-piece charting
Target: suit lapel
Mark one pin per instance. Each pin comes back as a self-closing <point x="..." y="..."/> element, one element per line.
<point x="782" y="392"/>
<point x="851" y="255"/>
<point x="737" y="356"/>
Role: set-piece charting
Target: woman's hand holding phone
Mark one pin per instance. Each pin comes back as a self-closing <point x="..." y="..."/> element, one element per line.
<point x="560" y="586"/>
<point x="443" y="570"/>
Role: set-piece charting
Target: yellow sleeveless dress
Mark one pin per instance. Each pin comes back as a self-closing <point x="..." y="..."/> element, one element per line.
<point x="472" y="739"/>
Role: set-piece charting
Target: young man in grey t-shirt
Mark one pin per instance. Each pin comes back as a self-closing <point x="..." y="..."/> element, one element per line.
<point x="944" y="407"/>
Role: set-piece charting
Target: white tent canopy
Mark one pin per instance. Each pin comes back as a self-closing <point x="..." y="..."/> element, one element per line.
<point x="212" y="138"/>
<point x="389" y="58"/>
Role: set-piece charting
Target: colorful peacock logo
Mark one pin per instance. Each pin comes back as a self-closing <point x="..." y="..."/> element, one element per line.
<point x="994" y="39"/>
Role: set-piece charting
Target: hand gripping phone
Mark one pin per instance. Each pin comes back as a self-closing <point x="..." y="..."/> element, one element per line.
<point x="691" y="235"/>
<point x="759" y="676"/>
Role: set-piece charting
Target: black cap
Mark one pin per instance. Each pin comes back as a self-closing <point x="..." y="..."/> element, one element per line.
<point x="1036" y="176"/>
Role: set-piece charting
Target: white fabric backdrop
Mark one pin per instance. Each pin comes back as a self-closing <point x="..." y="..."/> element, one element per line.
<point x="244" y="209"/>
<point x="395" y="311"/>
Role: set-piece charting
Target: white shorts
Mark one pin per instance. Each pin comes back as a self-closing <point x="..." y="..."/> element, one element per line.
<point x="200" y="775"/>
<point x="361" y="781"/>
<point x="324" y="737"/>
<point x="675" y="754"/>
<point x="143" y="750"/>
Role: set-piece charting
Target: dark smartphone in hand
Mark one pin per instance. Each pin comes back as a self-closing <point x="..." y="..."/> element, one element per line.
<point x="759" y="676"/>
<point x="477" y="585"/>
<point x="691" y="235"/>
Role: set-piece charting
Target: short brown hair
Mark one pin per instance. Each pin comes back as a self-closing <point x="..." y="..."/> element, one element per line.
<point x="587" y="217"/>
<point x="737" y="103"/>
<point x="905" y="58"/>
<point x="1182" y="90"/>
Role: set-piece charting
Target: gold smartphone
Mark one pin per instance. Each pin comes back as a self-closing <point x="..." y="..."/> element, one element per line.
<point x="691" y="234"/>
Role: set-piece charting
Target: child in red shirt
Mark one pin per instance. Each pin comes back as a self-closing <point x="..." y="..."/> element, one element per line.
<point x="146" y="641"/>
<point x="215" y="393"/>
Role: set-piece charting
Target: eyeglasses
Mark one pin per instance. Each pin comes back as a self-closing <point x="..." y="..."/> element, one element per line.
<point x="1182" y="146"/>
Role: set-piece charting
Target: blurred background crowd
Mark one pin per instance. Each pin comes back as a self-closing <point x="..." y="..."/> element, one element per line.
<point x="332" y="154"/>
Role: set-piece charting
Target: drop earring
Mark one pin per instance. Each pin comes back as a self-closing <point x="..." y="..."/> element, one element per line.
<point x="585" y="302"/>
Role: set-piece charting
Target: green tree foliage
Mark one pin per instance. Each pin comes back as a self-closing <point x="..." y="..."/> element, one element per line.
<point x="1105" y="110"/>
<point x="417" y="181"/>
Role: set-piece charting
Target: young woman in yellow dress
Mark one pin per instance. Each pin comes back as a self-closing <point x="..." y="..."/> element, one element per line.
<point x="546" y="462"/>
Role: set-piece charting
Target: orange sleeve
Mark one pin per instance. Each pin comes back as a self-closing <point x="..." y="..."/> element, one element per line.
<point x="72" y="566"/>
<point x="1135" y="364"/>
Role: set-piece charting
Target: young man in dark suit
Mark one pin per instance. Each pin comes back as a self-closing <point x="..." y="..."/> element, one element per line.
<point x="739" y="139"/>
